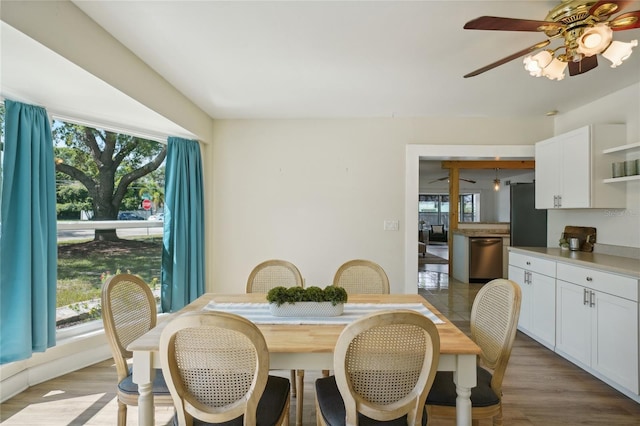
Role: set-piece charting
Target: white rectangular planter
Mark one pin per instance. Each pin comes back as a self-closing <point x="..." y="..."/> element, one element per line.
<point x="306" y="309"/>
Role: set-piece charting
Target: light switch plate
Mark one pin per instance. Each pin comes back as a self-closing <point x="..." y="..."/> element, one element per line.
<point x="390" y="225"/>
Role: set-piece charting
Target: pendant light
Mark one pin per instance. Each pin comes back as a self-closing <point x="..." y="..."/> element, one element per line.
<point x="496" y="182"/>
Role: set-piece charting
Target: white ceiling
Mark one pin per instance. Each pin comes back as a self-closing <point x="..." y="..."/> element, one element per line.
<point x="310" y="59"/>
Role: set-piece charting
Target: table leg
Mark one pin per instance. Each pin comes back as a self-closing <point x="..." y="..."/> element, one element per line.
<point x="143" y="375"/>
<point x="463" y="406"/>
<point x="464" y="378"/>
<point x="299" y="396"/>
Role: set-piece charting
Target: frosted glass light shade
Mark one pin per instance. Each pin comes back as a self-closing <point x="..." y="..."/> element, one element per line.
<point x="555" y="70"/>
<point x="595" y="39"/>
<point x="618" y="51"/>
<point x="535" y="64"/>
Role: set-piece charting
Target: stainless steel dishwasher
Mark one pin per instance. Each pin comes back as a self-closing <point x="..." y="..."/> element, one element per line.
<point x="485" y="259"/>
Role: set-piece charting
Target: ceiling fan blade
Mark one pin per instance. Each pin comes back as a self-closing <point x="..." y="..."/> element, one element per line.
<point x="440" y="180"/>
<point x="626" y="21"/>
<point x="586" y="64"/>
<point x="607" y="7"/>
<point x="447" y="177"/>
<point x="509" y="24"/>
<point x="508" y="58"/>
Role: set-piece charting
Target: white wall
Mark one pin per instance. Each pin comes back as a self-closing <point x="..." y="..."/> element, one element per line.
<point x="316" y="192"/>
<point x="620" y="227"/>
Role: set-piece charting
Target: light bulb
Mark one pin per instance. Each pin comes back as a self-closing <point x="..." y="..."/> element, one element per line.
<point x="595" y="39"/>
<point x="536" y="63"/>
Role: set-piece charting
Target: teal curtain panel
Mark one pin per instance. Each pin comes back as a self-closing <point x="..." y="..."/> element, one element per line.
<point x="28" y="236"/>
<point x="183" y="237"/>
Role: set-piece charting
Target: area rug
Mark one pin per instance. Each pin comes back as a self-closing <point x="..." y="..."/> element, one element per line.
<point x="432" y="259"/>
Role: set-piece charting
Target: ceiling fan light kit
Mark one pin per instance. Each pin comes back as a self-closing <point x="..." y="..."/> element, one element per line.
<point x="595" y="40"/>
<point x="619" y="51"/>
<point x="536" y="64"/>
<point x="586" y="31"/>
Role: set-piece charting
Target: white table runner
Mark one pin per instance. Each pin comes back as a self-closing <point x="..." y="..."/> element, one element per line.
<point x="259" y="313"/>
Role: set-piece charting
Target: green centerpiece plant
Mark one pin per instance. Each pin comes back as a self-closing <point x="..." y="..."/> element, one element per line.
<point x="281" y="295"/>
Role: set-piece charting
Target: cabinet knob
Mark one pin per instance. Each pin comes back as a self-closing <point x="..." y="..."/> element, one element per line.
<point x="589" y="279"/>
<point x="528" y="263"/>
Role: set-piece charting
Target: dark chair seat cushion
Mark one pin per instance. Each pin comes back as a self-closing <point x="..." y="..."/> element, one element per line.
<point x="270" y="406"/>
<point x="127" y="386"/>
<point x="443" y="391"/>
<point x="333" y="411"/>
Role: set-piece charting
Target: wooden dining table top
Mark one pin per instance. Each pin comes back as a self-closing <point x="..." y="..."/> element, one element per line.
<point x="314" y="338"/>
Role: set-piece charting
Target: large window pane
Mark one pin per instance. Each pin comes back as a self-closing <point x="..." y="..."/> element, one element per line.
<point x="110" y="199"/>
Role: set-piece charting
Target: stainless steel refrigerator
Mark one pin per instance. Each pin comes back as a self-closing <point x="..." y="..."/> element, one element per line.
<point x="528" y="225"/>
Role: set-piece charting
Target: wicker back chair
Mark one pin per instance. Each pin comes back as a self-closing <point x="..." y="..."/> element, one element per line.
<point x="494" y="318"/>
<point x="362" y="277"/>
<point x="384" y="366"/>
<point x="129" y="311"/>
<point x="273" y="273"/>
<point x="217" y="368"/>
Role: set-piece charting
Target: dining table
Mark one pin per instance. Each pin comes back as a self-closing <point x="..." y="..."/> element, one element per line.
<point x="308" y="343"/>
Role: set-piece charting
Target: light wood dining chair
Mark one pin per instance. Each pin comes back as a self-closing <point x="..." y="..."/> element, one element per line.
<point x="274" y="273"/>
<point x="494" y="319"/>
<point x="217" y="369"/>
<point x="360" y="276"/>
<point x="129" y="311"/>
<point x="384" y="366"/>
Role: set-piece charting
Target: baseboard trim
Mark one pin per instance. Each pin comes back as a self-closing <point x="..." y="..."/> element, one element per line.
<point x="85" y="350"/>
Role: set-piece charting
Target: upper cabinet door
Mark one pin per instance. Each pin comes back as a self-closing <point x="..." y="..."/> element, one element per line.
<point x="570" y="166"/>
<point x="548" y="166"/>
<point x="575" y="170"/>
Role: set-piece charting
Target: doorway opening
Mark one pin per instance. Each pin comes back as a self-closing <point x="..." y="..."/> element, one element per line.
<point x="415" y="153"/>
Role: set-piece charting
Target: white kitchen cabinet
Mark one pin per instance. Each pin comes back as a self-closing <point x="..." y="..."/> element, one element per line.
<point x="597" y="323"/>
<point x="570" y="169"/>
<point x="536" y="278"/>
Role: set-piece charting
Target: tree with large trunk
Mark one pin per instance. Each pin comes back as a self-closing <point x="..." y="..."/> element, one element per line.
<point x="106" y="163"/>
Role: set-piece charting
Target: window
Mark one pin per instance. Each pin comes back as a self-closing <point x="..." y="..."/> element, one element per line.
<point x="116" y="239"/>
<point x="433" y="209"/>
<point x="469" y="208"/>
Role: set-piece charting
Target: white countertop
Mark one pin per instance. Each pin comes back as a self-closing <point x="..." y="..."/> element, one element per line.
<point x="616" y="264"/>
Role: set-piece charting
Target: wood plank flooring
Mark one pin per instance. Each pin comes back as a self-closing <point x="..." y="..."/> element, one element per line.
<point x="540" y="387"/>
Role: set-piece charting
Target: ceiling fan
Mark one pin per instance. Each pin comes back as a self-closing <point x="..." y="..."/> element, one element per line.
<point x="447" y="177"/>
<point x="585" y="28"/>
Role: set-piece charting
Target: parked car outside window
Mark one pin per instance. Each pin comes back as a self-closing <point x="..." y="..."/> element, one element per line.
<point x="157" y="216"/>
<point x="129" y="216"/>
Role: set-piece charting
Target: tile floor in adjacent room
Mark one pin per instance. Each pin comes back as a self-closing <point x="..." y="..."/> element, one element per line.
<point x="451" y="297"/>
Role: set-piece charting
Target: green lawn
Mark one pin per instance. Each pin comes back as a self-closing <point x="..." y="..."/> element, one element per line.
<point x="84" y="265"/>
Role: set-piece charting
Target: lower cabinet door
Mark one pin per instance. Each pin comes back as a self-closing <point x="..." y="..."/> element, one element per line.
<point x="517" y="275"/>
<point x="543" y="309"/>
<point x="573" y="322"/>
<point x="615" y="339"/>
